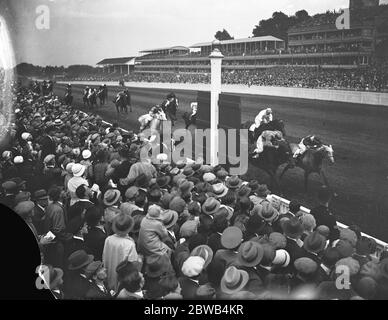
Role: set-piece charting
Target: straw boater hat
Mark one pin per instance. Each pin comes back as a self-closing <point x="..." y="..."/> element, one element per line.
<point x="111" y="197"/>
<point x="169" y="217"/>
<point x="219" y="189"/>
<point x="78" y="169"/>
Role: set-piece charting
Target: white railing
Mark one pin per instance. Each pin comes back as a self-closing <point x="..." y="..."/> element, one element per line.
<point x="283" y="204"/>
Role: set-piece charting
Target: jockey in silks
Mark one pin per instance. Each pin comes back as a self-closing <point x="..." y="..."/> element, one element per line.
<point x="309" y="142"/>
<point x="265" y="116"/>
<point x="267" y="139"/>
<point x="191" y="119"/>
<point x="86" y="91"/>
<point x="170" y="106"/>
<point x="155" y="113"/>
<point x="68" y="89"/>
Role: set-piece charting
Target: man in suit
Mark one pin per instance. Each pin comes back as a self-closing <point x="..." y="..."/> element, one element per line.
<point x="191" y="269"/>
<point x="55" y="222"/>
<point x="77" y="284"/>
<point x="94" y="240"/>
<point x="47" y="143"/>
<point x="323" y="215"/>
<point x="41" y="203"/>
<point x="293" y="230"/>
<point x="96" y="273"/>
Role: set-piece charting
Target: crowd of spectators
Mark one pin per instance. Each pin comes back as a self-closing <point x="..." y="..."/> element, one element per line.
<point x="111" y="225"/>
<point x="371" y="78"/>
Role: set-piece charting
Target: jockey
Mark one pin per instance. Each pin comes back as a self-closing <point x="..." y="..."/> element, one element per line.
<point x="265" y="116"/>
<point x="309" y="142"/>
<point x="194" y="108"/>
<point x="170" y="106"/>
<point x="267" y="139"/>
<point x="86" y="91"/>
<point x="68" y="89"/>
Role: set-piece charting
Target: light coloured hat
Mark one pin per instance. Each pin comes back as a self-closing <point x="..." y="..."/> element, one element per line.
<point x="6" y="154"/>
<point x="25" y="135"/>
<point x="18" y="159"/>
<point x="78" y="170"/>
<point x="69" y="167"/>
<point x="209" y="177"/>
<point x="193" y="266"/>
<point x="282" y="258"/>
<point x="49" y="158"/>
<point x="86" y="154"/>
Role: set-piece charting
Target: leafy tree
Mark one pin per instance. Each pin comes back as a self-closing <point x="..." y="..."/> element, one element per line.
<point x="223" y="35"/>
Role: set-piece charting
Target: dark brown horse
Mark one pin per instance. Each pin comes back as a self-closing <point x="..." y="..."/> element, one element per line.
<point x="271" y="159"/>
<point x="311" y="162"/>
<point x="275" y="125"/>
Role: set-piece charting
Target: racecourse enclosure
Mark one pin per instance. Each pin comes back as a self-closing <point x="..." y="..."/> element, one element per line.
<point x="357" y="132"/>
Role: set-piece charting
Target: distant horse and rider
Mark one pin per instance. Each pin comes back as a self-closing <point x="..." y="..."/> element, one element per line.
<point x="122" y="101"/>
<point x="269" y="149"/>
<point x="90" y="97"/>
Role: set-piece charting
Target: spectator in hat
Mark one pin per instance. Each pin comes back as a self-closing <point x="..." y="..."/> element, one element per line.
<point x="250" y="254"/>
<point x="41" y="203"/>
<point x="77" y="180"/>
<point x="51" y="173"/>
<point x="231" y="240"/>
<point x="94" y="239"/>
<point x="48" y="144"/>
<point x="189" y="282"/>
<point x="322" y="213"/>
<point x="293" y="230"/>
<point x="131" y="281"/>
<point x="313" y="246"/>
<point x="308" y="224"/>
<point x="97" y="172"/>
<point x="76" y="282"/>
<point x="233" y="281"/>
<point x="10" y="189"/>
<point x="77" y="210"/>
<point x="56" y="282"/>
<point x="170" y="287"/>
<point x="306" y="272"/>
<point x="170" y="218"/>
<point x="96" y="273"/>
<point x="156" y="266"/>
<point x="118" y="247"/>
<point x="220" y="223"/>
<point x="112" y="199"/>
<point x="153" y="235"/>
<point x="143" y="167"/>
<point x="260" y="193"/>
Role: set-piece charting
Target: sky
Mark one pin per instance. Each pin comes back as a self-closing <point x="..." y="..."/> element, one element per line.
<point x="87" y="31"/>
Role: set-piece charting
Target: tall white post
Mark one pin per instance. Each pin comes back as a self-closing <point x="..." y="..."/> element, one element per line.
<point x="215" y="89"/>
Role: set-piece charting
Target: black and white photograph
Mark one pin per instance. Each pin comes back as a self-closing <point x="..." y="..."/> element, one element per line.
<point x="214" y="151"/>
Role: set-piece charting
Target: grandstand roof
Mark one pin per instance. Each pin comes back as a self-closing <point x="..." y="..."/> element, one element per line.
<point x="165" y="48"/>
<point x="243" y="40"/>
<point x="123" y="60"/>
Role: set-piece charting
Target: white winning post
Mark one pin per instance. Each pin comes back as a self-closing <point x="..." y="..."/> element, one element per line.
<point x="215" y="89"/>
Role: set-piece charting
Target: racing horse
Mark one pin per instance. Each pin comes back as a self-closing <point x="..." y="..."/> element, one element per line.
<point x="275" y="125"/>
<point x="122" y="103"/>
<point x="92" y="98"/>
<point x="101" y="96"/>
<point x="311" y="162"/>
<point x="271" y="159"/>
<point x="68" y="99"/>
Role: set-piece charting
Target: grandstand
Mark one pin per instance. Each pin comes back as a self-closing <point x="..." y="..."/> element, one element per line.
<point x="113" y="65"/>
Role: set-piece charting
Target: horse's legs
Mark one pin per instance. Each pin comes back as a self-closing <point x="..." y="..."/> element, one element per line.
<point x="286" y="168"/>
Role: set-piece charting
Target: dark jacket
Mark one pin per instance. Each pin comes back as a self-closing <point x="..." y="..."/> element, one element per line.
<point x="323" y="216"/>
<point x="76" y="286"/>
<point x="94" y="242"/>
